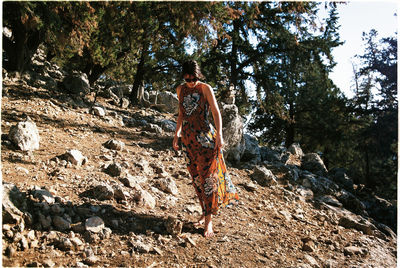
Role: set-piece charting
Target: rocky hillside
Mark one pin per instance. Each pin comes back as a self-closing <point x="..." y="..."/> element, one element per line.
<point x="101" y="186"/>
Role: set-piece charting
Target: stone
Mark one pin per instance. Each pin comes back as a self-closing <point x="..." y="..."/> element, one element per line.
<point x="23" y="243"/>
<point x="351" y="202"/>
<point x="130" y="181"/>
<point x="173" y="226"/>
<point x="319" y="185"/>
<point x="295" y="149"/>
<point x="153" y="129"/>
<point x="252" y="151"/>
<point x="48" y="263"/>
<point x="313" y="163"/>
<point x="232" y="129"/>
<point x="92" y="260"/>
<point x="339" y="176"/>
<point x="99" y="111"/>
<point x="43" y="195"/>
<point x="76" y="242"/>
<point x="144" y="198"/>
<point x="12" y="200"/>
<point x="263" y="176"/>
<point x="330" y="200"/>
<point x="103" y="192"/>
<point x="114" y="145"/>
<point x="61" y="224"/>
<point x="10" y="251"/>
<point x="94" y="224"/>
<point x="119" y="193"/>
<point x="25" y="135"/>
<point x="167" y="125"/>
<point x="311" y="261"/>
<point x="76" y="83"/>
<point x="357" y="222"/>
<point x="141" y="247"/>
<point x="75" y="157"/>
<point x="168" y="101"/>
<point x="65" y="244"/>
<point x="167" y="185"/>
<point x="113" y="169"/>
<point x="352" y="250"/>
<point x="269" y="155"/>
<point x="45" y="221"/>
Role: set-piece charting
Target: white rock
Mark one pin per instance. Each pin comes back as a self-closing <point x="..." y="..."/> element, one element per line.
<point x="98" y="111"/>
<point x="25" y="135"/>
<point x="75" y="157"/>
<point x="168" y="185"/>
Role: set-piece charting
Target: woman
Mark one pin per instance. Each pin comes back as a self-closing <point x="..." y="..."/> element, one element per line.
<point x="203" y="144"/>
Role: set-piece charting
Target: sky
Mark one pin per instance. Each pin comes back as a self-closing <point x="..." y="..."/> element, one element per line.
<point x="357" y="17"/>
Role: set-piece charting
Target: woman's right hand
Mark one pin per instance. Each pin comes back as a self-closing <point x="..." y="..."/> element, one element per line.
<point x="175" y="143"/>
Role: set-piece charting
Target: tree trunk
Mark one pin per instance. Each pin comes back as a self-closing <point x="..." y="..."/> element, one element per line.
<point x="290" y="128"/>
<point x="140" y="71"/>
<point x="21" y="49"/>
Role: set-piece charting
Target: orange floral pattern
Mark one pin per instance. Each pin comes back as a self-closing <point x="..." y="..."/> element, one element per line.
<point x="206" y="165"/>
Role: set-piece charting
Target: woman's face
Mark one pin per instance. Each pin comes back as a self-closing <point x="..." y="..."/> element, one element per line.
<point x="191" y="80"/>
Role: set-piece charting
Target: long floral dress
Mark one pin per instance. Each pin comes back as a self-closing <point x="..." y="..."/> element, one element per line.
<point x="206" y="165"/>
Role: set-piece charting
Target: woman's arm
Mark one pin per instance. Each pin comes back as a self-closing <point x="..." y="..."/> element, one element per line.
<point x="209" y="94"/>
<point x="178" y="123"/>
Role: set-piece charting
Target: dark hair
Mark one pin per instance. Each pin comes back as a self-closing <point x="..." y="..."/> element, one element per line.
<point x="192" y="68"/>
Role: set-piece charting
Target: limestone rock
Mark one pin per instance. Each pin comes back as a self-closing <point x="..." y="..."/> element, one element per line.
<point x="167" y="185"/>
<point x="25" y="135"/>
<point x="75" y="157"/>
<point x="251" y="152"/>
<point x="77" y="83"/>
<point x="263" y="176"/>
<point x="313" y="162"/>
<point x="99" y="111"/>
<point x="114" y="145"/>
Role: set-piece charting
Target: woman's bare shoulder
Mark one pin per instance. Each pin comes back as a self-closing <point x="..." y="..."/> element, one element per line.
<point x="206" y="88"/>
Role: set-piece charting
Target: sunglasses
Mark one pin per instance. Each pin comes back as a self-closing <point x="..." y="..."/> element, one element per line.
<point x="190" y="80"/>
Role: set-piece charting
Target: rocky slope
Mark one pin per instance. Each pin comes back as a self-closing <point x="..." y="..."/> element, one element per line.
<point x="104" y="188"/>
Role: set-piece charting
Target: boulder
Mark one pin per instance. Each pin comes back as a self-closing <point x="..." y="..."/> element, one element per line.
<point x="319" y="185"/>
<point x="61" y="224"/>
<point x="313" y="163"/>
<point x="168" y="101"/>
<point x="76" y="83"/>
<point x="269" y="155"/>
<point x="263" y="176"/>
<point x="232" y="128"/>
<point x="339" y="176"/>
<point x="251" y="152"/>
<point x="25" y="135"/>
<point x="351" y="221"/>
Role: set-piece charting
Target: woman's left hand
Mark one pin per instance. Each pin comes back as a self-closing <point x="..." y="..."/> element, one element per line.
<point x="219" y="142"/>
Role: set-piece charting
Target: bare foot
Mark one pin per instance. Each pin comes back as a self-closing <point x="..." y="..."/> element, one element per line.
<point x="199" y="222"/>
<point x="208" y="228"/>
